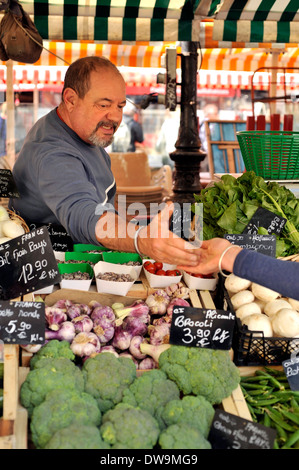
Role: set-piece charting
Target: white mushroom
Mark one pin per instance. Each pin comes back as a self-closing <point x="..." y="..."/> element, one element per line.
<point x="275" y="305"/>
<point x="286" y="323"/>
<point x="259" y="322"/>
<point x="241" y="298"/>
<point x="264" y="293"/>
<point x="248" y="309"/>
<point x="235" y="283"/>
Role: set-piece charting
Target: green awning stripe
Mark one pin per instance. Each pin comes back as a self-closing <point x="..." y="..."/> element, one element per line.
<point x="290" y="11"/>
<point x="236" y="10"/>
<point x="257" y="31"/>
<point x="263" y="10"/>
<point x="100" y="28"/>
<point x="283" y="31"/>
<point x="230" y="30"/>
<point x="129" y="29"/>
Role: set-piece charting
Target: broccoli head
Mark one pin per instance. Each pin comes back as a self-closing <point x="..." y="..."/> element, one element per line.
<point x="73" y="436"/>
<point x="53" y="348"/>
<point x="196" y="411"/>
<point x="182" y="436"/>
<point x="127" y="427"/>
<point x="106" y="377"/>
<point x="60" y="409"/>
<point x="151" y="391"/>
<point x="200" y="371"/>
<point x="49" y="374"/>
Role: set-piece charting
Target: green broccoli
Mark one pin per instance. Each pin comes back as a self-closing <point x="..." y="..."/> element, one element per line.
<point x="53" y="348"/>
<point x="49" y="374"/>
<point x="151" y="391"/>
<point x="200" y="371"/>
<point x="196" y="411"/>
<point x="59" y="409"/>
<point x="77" y="437"/>
<point x="182" y="436"/>
<point x="106" y="377"/>
<point x="127" y="427"/>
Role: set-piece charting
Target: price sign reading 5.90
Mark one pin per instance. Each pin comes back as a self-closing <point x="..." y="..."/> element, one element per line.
<point x="22" y="322"/>
<point x="27" y="263"/>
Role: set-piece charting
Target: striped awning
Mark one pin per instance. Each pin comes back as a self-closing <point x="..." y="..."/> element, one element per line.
<point x="257" y="21"/>
<point x="250" y="22"/>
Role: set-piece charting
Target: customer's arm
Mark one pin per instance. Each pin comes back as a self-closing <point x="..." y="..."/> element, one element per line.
<point x="276" y="274"/>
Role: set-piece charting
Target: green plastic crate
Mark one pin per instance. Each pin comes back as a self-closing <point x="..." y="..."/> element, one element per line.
<point x="274" y="155"/>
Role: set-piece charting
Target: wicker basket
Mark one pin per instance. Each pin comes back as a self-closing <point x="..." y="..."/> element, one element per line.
<point x="14" y="216"/>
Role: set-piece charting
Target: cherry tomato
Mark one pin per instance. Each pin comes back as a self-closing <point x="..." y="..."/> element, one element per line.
<point x="158" y="265"/>
<point x="150" y="267"/>
<point x="160" y="272"/>
<point x="171" y="272"/>
<point x="146" y="263"/>
<point x="178" y="272"/>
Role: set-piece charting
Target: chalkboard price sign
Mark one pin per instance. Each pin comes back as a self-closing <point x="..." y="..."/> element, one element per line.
<point x="291" y="368"/>
<point x="27" y="263"/>
<point x="205" y="328"/>
<point x="229" y="431"/>
<point x="60" y="239"/>
<point x="22" y="322"/>
<point x="268" y="220"/>
<point x="181" y="221"/>
<point x="265" y="244"/>
<point x="8" y="186"/>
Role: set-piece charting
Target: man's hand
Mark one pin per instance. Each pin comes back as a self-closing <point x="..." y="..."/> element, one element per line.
<point x="158" y="242"/>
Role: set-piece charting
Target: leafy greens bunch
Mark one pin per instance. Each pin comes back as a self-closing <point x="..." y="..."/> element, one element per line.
<point x="229" y="205"/>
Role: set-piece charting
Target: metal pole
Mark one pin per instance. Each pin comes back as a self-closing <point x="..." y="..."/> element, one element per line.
<point x="188" y="153"/>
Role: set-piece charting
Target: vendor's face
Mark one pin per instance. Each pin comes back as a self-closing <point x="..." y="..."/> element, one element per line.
<point x="97" y="116"/>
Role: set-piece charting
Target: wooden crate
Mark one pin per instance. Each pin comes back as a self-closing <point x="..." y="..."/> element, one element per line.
<point x="13" y="424"/>
<point x="234" y="404"/>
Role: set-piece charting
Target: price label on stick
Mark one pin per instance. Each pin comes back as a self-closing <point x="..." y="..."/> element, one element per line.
<point x="8" y="186"/>
<point x="229" y="431"/>
<point x="291" y="368"/>
<point x="27" y="263"/>
<point x="265" y="244"/>
<point x="22" y="322"/>
<point x="205" y="328"/>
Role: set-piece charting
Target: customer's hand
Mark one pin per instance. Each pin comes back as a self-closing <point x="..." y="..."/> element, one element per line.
<point x="210" y="253"/>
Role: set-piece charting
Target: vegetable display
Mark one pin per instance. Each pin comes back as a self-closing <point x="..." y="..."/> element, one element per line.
<point x="272" y="403"/>
<point x="262" y="310"/>
<point x="229" y="205"/>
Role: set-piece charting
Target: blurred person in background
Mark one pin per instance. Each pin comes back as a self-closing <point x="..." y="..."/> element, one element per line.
<point x="4" y="164"/>
<point x="135" y="128"/>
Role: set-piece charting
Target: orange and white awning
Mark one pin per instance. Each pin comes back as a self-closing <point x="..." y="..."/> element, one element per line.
<point x="140" y="63"/>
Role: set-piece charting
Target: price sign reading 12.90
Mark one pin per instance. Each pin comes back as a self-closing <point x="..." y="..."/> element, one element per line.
<point x="27" y="263"/>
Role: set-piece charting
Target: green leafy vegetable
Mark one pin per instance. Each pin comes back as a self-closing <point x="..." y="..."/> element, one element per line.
<point x="230" y="203"/>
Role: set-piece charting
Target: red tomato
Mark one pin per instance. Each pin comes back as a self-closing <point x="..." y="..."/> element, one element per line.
<point x="146" y="263"/>
<point x="160" y="272"/>
<point x="158" y="265"/>
<point x="151" y="268"/>
<point x="171" y="272"/>
<point x="178" y="272"/>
